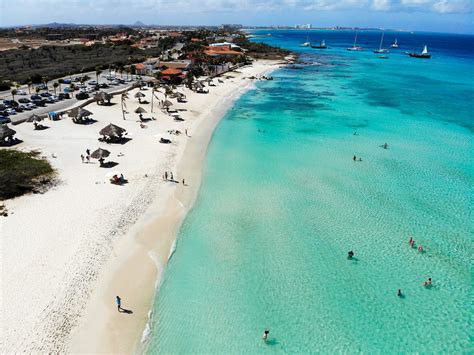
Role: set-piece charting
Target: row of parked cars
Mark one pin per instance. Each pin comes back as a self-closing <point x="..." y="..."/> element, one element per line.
<point x="12" y="107"/>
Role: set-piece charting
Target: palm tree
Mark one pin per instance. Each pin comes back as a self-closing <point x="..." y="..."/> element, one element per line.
<point x="37" y="90"/>
<point x="13" y="92"/>
<point x="29" y="83"/>
<point x="55" y="86"/>
<point x="124" y="96"/>
<point x="45" y="81"/>
<point x="98" y="71"/>
<point x="133" y="70"/>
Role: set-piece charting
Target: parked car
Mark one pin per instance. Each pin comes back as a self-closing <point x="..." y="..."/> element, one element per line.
<point x="92" y="82"/>
<point x="49" y="100"/>
<point x="31" y="106"/>
<point x="24" y="107"/>
<point x="10" y="103"/>
<point x="45" y="94"/>
<point x="41" y="86"/>
<point x="21" y="92"/>
<point x="35" y="97"/>
<point x="66" y="81"/>
<point x="4" y="119"/>
<point x="10" y="111"/>
<point x="24" y="100"/>
<point x="103" y="86"/>
<point x="18" y="108"/>
<point x="62" y="96"/>
<point x="82" y="96"/>
<point x="39" y="102"/>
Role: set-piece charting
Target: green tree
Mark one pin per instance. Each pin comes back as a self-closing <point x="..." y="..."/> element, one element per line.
<point x="45" y="82"/>
<point x="98" y="71"/>
<point x="29" y="83"/>
<point x="13" y="92"/>
<point x="55" y="86"/>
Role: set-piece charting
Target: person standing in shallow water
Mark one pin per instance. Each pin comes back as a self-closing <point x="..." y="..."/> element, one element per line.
<point x="266" y="333"/>
<point x="118" y="300"/>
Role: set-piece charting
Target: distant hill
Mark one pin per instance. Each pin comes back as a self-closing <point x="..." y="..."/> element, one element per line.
<point x="138" y="24"/>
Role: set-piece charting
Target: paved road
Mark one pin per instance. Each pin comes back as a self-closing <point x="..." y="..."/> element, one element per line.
<point x="60" y="105"/>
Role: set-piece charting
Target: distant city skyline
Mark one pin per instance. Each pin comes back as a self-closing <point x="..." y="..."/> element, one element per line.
<point x="417" y="15"/>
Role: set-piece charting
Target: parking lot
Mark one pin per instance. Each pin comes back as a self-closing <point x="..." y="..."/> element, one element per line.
<point x="45" y="101"/>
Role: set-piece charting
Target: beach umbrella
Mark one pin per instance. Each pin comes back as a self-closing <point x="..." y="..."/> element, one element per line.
<point x="102" y="96"/>
<point x="100" y="153"/>
<point x="140" y="110"/>
<point x="167" y="103"/>
<point x="139" y="94"/>
<point x="73" y="112"/>
<point x="34" y="118"/>
<point x="82" y="112"/>
<point x="6" y="132"/>
<point x="112" y="130"/>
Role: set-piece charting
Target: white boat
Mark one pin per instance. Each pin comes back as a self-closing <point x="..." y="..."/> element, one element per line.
<point x="424" y="54"/>
<point x="307" y="43"/>
<point x="355" y="47"/>
<point x="395" y="44"/>
<point x="381" y="50"/>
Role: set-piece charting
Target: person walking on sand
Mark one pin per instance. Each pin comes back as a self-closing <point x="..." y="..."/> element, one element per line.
<point x="88" y="152"/>
<point x="183" y="182"/>
<point x="166" y="175"/>
<point x="118" y="300"/>
<point x="171" y="176"/>
<point x="82" y="158"/>
<point x="88" y="158"/>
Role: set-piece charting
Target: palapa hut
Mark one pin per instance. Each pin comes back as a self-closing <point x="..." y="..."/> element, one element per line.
<point x="100" y="154"/>
<point x="140" y="110"/>
<point x="6" y="135"/>
<point x="80" y="115"/>
<point x="112" y="133"/>
<point x="34" y="118"/>
<point x="102" y="98"/>
<point x="139" y="95"/>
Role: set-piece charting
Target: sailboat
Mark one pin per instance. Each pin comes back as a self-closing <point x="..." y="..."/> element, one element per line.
<point x="322" y="45"/>
<point x="381" y="50"/>
<point x="423" y="54"/>
<point x="395" y="44"/>
<point x="307" y="43"/>
<point x="355" y="47"/>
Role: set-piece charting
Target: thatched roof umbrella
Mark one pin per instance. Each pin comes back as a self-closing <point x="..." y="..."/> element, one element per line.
<point x="6" y="132"/>
<point x="100" y="153"/>
<point x="82" y="112"/>
<point x="139" y="94"/>
<point x="167" y="103"/>
<point x="140" y="110"/>
<point x="112" y="130"/>
<point x="34" y="118"/>
<point x="73" y="112"/>
<point x="102" y="96"/>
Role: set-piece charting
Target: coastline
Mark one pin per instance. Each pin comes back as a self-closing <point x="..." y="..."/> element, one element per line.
<point x="146" y="248"/>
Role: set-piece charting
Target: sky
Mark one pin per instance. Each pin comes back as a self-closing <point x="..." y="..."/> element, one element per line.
<point x="423" y="15"/>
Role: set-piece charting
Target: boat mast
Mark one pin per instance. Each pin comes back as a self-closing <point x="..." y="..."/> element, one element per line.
<point x="355" y="40"/>
<point x="381" y="41"/>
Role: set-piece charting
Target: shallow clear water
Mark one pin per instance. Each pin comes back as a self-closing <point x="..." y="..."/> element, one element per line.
<point x="279" y="208"/>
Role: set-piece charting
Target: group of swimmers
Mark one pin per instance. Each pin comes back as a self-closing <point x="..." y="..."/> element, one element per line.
<point x="356" y="159"/>
<point x="412" y="244"/>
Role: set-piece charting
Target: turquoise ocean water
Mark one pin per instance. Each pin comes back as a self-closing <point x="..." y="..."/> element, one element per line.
<point x="282" y="202"/>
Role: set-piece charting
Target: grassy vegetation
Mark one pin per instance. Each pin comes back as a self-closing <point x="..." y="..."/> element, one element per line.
<point x="22" y="172"/>
<point x="55" y="61"/>
<point x="261" y="50"/>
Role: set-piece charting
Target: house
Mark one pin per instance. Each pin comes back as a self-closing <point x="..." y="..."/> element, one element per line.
<point x="221" y="51"/>
<point x="140" y="68"/>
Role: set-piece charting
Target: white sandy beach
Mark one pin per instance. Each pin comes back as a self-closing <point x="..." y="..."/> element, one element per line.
<point x="68" y="252"/>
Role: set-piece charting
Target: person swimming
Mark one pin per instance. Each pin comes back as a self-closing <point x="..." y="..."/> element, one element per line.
<point x="266" y="333"/>
<point x="420" y="248"/>
<point x="399" y="293"/>
<point x="428" y="282"/>
<point x="412" y="242"/>
<point x="354" y="158"/>
<point x="350" y="254"/>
